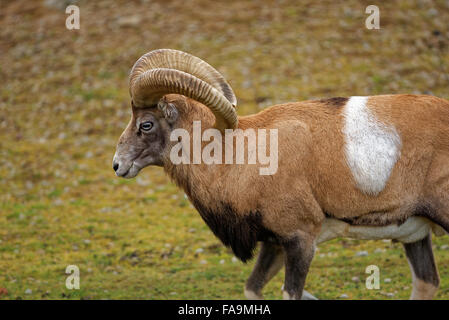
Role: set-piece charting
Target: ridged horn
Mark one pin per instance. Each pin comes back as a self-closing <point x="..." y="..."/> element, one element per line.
<point x="165" y="71"/>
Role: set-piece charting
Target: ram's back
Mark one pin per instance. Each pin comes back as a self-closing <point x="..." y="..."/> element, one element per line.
<point x="360" y="155"/>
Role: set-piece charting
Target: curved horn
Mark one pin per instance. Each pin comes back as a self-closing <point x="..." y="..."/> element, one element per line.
<point x="152" y="85"/>
<point x="166" y="71"/>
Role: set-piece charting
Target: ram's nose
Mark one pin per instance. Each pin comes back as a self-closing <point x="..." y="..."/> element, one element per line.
<point x="115" y="163"/>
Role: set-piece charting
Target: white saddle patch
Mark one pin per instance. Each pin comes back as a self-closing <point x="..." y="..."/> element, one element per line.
<point x="372" y="147"/>
<point x="412" y="230"/>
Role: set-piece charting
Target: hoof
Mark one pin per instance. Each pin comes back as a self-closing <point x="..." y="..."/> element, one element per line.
<point x="251" y="295"/>
<point x="305" y="295"/>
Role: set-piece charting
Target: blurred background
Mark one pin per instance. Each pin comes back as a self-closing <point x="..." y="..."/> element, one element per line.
<point x="64" y="102"/>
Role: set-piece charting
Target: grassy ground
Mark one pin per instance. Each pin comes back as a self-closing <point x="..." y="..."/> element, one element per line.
<point x="64" y="102"/>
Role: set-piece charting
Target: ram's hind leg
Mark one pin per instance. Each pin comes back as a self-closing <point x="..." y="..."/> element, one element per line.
<point x="269" y="262"/>
<point x="436" y="192"/>
<point x="424" y="271"/>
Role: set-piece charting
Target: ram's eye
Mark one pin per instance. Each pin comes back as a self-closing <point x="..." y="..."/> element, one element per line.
<point x="146" y="126"/>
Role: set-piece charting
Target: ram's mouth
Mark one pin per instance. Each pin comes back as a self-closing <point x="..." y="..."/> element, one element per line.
<point x="124" y="173"/>
<point x="132" y="171"/>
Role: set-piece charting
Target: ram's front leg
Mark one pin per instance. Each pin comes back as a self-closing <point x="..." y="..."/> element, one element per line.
<point x="269" y="262"/>
<point x="299" y="251"/>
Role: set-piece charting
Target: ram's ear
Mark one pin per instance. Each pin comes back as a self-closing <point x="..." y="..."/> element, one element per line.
<point x="169" y="111"/>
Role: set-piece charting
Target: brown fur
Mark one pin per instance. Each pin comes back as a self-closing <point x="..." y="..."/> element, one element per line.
<point x="313" y="177"/>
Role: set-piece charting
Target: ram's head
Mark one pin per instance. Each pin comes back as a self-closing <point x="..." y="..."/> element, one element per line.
<point x="161" y="83"/>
